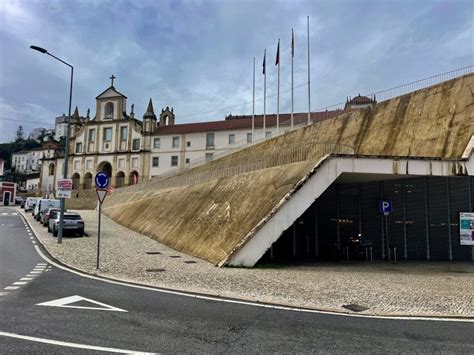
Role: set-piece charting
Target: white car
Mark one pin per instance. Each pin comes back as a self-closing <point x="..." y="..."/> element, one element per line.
<point x="43" y="204"/>
<point x="30" y="203"/>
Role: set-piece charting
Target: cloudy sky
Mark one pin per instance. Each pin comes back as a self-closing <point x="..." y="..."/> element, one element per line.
<point x="197" y="55"/>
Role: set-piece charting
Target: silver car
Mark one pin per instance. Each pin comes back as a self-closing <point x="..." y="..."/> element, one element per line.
<point x="73" y="223"/>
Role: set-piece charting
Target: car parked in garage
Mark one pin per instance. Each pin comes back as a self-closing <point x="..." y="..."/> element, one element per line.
<point x="73" y="223"/>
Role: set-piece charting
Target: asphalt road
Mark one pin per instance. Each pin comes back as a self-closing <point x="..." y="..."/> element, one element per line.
<point x="157" y="322"/>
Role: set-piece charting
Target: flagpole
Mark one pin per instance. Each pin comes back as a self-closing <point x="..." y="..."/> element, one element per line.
<point x="292" y="57"/>
<point x="264" y="90"/>
<point x="309" y="82"/>
<point x="253" y="104"/>
<point x="278" y="95"/>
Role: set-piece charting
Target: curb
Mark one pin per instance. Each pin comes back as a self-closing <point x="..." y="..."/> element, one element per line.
<point x="218" y="297"/>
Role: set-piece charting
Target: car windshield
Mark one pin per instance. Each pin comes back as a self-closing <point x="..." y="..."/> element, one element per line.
<point x="72" y="216"/>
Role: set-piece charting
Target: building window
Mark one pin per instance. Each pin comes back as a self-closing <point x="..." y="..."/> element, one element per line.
<point x="210" y="140"/>
<point x="136" y="144"/>
<point x="175" y="142"/>
<point x="249" y="137"/>
<point x="231" y="138"/>
<point x="92" y="135"/>
<point x="209" y="157"/>
<point x="109" y="110"/>
<point x="134" y="163"/>
<point x="174" y="160"/>
<point x="107" y="134"/>
<point x="123" y="133"/>
<point x="77" y="165"/>
<point x="121" y="163"/>
<point x="156" y="143"/>
<point x="268" y="134"/>
<point x="89" y="164"/>
<point x="187" y="160"/>
<point x="78" y="148"/>
<point x="156" y="162"/>
<point x="188" y="144"/>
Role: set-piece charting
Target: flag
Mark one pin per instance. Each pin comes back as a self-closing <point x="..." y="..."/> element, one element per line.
<point x="292" y="44"/>
<point x="277" y="60"/>
<point x="264" y="55"/>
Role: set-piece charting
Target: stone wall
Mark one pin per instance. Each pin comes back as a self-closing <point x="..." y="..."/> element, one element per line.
<point x="210" y="218"/>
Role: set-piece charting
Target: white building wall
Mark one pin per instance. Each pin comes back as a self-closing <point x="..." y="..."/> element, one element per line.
<point x="193" y="149"/>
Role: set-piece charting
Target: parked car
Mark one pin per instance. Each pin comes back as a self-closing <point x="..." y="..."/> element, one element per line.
<point x="19" y="200"/>
<point x="73" y="224"/>
<point x="46" y="215"/>
<point x="30" y="203"/>
<point x="43" y="204"/>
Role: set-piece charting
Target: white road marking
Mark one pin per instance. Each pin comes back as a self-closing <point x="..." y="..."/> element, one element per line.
<point x="254" y="304"/>
<point x="30" y="233"/>
<point x="67" y="301"/>
<point x="35" y="272"/>
<point x="33" y="242"/>
<point x="26" y="279"/>
<point x="40" y="267"/>
<point x="29" y="275"/>
<point x="4" y="214"/>
<point x="71" y="345"/>
<point x="20" y="283"/>
<point x="14" y="213"/>
<point x="32" y="238"/>
<point x="41" y="264"/>
<point x="11" y="288"/>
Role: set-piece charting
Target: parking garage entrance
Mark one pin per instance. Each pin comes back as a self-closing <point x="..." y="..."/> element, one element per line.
<point x="345" y="222"/>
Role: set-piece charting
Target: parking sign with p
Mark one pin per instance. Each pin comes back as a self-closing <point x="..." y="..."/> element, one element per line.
<point x="385" y="207"/>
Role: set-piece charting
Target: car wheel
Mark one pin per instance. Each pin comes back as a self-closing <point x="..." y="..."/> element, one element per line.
<point x="55" y="232"/>
<point x="81" y="234"/>
<point x="49" y="229"/>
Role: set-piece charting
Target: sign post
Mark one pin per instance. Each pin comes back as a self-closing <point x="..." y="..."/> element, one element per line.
<point x="385" y="207"/>
<point x="63" y="190"/>
<point x="102" y="182"/>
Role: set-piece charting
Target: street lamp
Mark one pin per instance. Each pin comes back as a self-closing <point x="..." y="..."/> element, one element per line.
<point x="66" y="149"/>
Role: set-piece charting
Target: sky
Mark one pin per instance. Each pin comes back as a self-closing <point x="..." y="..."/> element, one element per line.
<point x="197" y="56"/>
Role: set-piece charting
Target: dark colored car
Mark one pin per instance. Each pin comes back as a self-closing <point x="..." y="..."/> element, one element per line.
<point x="46" y="215"/>
<point x="19" y="200"/>
<point x="23" y="204"/>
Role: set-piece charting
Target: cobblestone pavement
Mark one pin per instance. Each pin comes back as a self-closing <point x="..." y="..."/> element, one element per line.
<point x="414" y="288"/>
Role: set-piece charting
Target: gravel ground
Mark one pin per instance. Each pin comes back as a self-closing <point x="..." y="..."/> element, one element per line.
<point x="414" y="288"/>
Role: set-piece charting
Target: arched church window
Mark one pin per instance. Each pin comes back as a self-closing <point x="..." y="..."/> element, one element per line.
<point x="51" y="169"/>
<point x="109" y="110"/>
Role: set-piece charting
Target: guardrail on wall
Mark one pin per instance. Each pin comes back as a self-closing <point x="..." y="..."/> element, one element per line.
<point x="263" y="159"/>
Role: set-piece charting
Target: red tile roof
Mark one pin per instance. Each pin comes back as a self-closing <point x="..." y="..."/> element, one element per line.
<point x="245" y="122"/>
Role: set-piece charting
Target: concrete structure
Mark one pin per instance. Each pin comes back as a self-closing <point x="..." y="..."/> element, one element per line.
<point x="284" y="197"/>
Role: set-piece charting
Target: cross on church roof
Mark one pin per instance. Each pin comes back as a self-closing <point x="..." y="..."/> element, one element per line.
<point x="112" y="78"/>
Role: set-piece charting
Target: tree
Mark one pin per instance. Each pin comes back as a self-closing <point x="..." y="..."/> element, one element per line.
<point x="19" y="135"/>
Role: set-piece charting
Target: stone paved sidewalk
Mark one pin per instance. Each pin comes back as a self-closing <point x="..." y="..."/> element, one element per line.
<point x="427" y="289"/>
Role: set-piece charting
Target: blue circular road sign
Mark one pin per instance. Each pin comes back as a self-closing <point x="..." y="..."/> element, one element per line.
<point x="102" y="180"/>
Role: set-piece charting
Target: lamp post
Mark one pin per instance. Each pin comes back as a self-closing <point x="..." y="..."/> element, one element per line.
<point x="66" y="149"/>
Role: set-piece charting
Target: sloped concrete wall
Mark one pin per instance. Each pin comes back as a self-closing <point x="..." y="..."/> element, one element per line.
<point x="209" y="219"/>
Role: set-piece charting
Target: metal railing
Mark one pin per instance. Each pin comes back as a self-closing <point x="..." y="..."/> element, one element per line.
<point x="262" y="159"/>
<point x="180" y="177"/>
